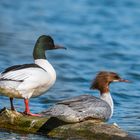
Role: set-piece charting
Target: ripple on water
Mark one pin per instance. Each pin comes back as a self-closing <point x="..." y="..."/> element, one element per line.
<point x="98" y="35"/>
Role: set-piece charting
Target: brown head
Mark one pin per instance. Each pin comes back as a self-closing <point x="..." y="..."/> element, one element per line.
<point x="103" y="79"/>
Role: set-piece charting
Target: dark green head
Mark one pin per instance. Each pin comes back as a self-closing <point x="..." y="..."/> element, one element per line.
<point x="43" y="43"/>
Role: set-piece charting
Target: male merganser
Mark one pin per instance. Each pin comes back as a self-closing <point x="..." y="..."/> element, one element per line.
<point x="87" y="106"/>
<point x="30" y="80"/>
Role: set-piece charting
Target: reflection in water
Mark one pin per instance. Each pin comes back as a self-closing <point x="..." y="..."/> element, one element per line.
<point x="99" y="35"/>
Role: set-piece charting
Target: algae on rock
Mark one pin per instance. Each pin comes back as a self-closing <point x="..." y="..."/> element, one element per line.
<point x="54" y="128"/>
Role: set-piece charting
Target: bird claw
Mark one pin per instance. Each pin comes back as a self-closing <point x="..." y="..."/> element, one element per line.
<point x="13" y="109"/>
<point x="31" y="114"/>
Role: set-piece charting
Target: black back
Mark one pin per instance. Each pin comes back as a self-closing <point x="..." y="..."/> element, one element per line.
<point x="19" y="67"/>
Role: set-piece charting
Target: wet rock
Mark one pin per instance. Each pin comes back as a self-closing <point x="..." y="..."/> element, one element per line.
<point x="54" y="128"/>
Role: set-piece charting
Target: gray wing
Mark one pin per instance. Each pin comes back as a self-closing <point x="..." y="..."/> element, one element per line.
<point x="80" y="108"/>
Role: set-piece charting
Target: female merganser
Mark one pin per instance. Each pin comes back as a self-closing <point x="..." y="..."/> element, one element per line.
<point x="30" y="80"/>
<point x="87" y="106"/>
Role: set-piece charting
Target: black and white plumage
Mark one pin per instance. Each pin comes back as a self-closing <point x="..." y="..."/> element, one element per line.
<point x="30" y="80"/>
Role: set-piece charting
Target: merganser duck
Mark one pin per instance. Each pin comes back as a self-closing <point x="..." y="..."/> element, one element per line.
<point x="85" y="107"/>
<point x="30" y="80"/>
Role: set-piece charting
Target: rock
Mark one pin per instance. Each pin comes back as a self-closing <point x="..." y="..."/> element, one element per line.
<point x="54" y="128"/>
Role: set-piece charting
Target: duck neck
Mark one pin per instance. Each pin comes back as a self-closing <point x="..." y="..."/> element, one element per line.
<point x="49" y="69"/>
<point x="107" y="98"/>
<point x="39" y="52"/>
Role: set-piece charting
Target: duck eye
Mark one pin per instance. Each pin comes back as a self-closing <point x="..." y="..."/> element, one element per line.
<point x="117" y="77"/>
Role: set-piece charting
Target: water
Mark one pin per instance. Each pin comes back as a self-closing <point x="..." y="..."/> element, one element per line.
<point x="99" y="35"/>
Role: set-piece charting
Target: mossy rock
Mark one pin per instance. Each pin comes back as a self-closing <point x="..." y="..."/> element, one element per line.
<point x="54" y="128"/>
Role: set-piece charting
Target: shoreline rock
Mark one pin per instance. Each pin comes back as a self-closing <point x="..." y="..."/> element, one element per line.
<point x="54" y="128"/>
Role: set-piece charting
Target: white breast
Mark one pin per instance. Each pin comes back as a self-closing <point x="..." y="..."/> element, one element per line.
<point x="28" y="82"/>
<point x="52" y="76"/>
<point x="48" y="67"/>
<point x="107" y="97"/>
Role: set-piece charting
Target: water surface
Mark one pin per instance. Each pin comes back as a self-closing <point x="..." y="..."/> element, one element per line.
<point x="99" y="35"/>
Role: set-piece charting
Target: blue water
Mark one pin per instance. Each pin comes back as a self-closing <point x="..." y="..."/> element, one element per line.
<point x="99" y="35"/>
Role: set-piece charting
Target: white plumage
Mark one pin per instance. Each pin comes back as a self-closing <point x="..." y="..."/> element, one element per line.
<point x="28" y="82"/>
<point x="107" y="97"/>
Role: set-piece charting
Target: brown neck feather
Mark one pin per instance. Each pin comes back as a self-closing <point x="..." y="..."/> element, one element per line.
<point x="101" y="85"/>
<point x="104" y="90"/>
